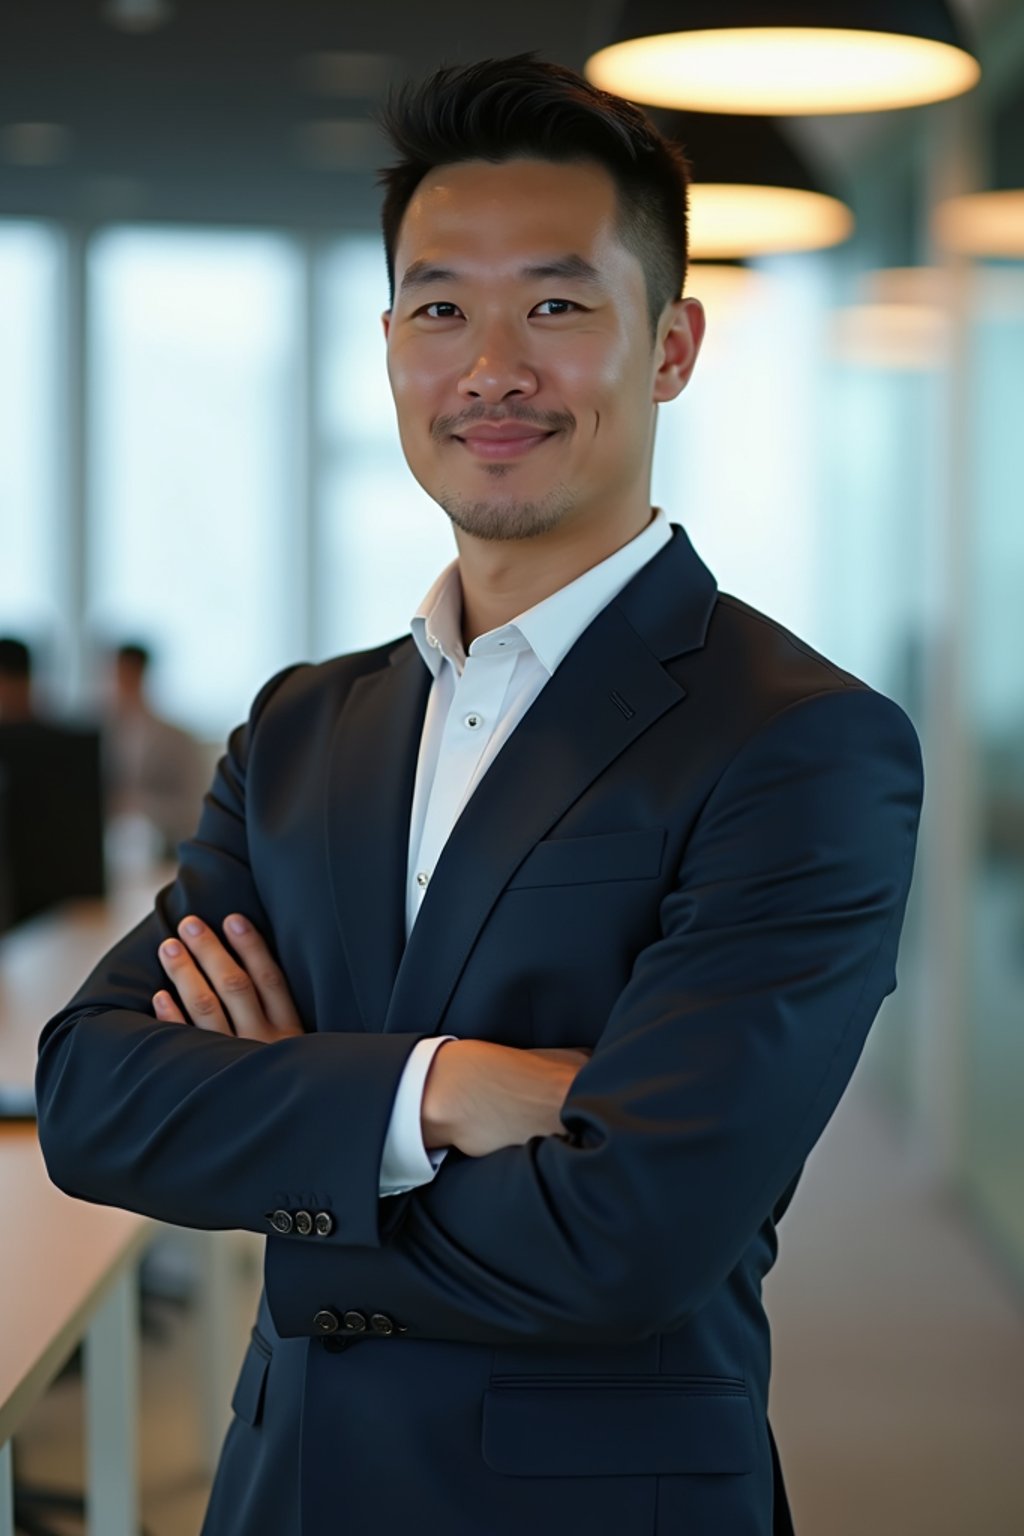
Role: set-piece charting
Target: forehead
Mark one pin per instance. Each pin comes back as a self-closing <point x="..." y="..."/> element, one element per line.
<point x="507" y="213"/>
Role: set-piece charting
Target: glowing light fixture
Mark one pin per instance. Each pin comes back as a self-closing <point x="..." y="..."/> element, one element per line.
<point x="785" y="58"/>
<point x="726" y="289"/>
<point x="982" y="224"/>
<point x="901" y="323"/>
<point x="752" y="194"/>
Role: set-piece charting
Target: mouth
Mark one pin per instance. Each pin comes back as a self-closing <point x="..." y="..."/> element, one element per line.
<point x="502" y="445"/>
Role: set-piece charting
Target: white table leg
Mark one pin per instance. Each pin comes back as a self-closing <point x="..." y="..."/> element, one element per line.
<point x="111" y="1392"/>
<point x="6" y="1491"/>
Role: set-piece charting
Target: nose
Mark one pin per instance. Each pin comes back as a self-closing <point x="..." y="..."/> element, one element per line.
<point x="499" y="369"/>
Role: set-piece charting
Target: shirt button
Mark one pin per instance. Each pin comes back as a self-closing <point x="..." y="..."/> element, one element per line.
<point x="422" y="879"/>
<point x="432" y="641"/>
<point x="473" y="721"/>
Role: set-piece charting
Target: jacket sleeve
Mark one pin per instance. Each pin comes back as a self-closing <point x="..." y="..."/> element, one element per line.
<point x="200" y="1129"/>
<point x="717" y="1070"/>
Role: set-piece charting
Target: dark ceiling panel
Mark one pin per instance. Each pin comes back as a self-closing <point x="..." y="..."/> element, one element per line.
<point x="210" y="110"/>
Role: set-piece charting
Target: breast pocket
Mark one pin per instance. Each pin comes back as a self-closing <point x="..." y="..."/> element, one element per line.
<point x="634" y="855"/>
<point x="629" y="1426"/>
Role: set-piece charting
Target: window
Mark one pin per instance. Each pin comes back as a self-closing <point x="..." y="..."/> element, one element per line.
<point x="194" y="436"/>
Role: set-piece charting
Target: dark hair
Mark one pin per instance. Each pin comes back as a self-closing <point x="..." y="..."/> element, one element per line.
<point x="134" y="652"/>
<point x="504" y="109"/>
<point x="15" y="658"/>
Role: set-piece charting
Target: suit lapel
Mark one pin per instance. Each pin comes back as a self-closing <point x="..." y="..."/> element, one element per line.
<point x="609" y="689"/>
<point x="372" y="771"/>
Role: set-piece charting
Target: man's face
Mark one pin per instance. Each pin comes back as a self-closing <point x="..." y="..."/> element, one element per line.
<point x="519" y="349"/>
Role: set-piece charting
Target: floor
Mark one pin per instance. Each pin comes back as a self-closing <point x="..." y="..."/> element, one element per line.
<point x="898" y="1390"/>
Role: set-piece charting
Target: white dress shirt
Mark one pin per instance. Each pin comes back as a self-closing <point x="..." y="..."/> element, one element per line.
<point x="475" y="703"/>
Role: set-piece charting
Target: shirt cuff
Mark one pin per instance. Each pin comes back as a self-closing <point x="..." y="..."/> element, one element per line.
<point x="406" y="1163"/>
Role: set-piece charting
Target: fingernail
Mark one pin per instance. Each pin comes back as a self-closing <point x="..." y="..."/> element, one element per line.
<point x="171" y="948"/>
<point x="192" y="927"/>
<point x="237" y="925"/>
<point x="160" y="1000"/>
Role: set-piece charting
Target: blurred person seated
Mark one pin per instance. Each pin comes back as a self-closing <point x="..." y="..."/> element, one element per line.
<point x="51" y="802"/>
<point x="155" y="772"/>
<point x="15" y="679"/>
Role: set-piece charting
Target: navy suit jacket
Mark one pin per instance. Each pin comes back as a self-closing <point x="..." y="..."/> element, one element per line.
<point x="693" y="855"/>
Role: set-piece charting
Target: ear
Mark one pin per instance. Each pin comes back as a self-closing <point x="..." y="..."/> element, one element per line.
<point x="385" y="321"/>
<point x="680" y="333"/>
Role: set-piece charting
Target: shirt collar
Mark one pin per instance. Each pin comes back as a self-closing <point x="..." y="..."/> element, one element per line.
<point x="550" y="628"/>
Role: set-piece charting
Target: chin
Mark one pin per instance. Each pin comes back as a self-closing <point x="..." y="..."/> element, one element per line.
<point x="508" y="517"/>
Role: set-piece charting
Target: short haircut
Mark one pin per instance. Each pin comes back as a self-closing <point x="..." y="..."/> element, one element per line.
<point x="139" y="655"/>
<point x="523" y="107"/>
<point x="15" y="658"/>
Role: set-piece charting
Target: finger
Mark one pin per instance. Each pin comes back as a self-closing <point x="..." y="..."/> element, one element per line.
<point x="167" y="1010"/>
<point x="200" y="1001"/>
<point x="230" y="981"/>
<point x="267" y="976"/>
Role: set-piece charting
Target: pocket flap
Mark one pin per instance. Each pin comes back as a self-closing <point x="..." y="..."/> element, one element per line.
<point x="632" y="855"/>
<point x="616" y="1431"/>
<point x="247" y="1402"/>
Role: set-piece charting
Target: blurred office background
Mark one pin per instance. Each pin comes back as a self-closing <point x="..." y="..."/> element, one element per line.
<point x="198" y="450"/>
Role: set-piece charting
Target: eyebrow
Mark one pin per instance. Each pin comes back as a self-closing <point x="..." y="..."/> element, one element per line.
<point x="573" y="268"/>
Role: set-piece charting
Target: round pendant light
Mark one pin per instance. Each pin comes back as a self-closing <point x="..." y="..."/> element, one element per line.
<point x="900" y="322"/>
<point x="785" y="58"/>
<point x="752" y="194"/>
<point x="726" y="289"/>
<point x="983" y="224"/>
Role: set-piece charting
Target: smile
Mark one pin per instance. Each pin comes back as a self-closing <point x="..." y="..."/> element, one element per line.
<point x="503" y="446"/>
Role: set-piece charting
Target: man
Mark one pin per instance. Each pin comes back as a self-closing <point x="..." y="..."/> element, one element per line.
<point x="153" y="769"/>
<point x="563" y="919"/>
<point x="15" y="681"/>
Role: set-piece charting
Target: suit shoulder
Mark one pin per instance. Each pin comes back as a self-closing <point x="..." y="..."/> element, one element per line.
<point x="778" y="648"/>
<point x="772" y="673"/>
<point x="304" y="681"/>
<point x="752" y="671"/>
<point x="296" y="692"/>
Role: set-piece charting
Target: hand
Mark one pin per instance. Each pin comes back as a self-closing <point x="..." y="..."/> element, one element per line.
<point x="480" y="1096"/>
<point x="245" y="996"/>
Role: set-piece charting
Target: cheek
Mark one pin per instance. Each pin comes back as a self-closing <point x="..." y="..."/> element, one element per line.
<point x="603" y="376"/>
<point x="416" y="382"/>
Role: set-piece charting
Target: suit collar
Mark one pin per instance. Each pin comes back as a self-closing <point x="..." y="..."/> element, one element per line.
<point x="608" y="690"/>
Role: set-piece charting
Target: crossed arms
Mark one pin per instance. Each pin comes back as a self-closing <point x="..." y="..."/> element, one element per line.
<point x="716" y="1071"/>
<point x="479" y="1098"/>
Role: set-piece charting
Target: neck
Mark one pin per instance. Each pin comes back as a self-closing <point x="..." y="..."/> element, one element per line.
<point x="502" y="579"/>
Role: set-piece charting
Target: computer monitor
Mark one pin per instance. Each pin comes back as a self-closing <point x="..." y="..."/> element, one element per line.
<point x="51" y="816"/>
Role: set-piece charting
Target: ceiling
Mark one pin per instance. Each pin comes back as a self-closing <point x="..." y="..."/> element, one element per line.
<point x="256" y="110"/>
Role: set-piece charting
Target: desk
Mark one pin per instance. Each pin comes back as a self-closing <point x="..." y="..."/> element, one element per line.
<point x="68" y="1268"/>
<point x="68" y="1273"/>
<point x="45" y="961"/>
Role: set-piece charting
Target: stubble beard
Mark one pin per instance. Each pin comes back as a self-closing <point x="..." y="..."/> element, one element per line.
<point x="510" y="519"/>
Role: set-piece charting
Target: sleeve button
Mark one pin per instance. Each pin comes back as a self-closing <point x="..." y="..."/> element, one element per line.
<point x="324" y="1224"/>
<point x="354" y="1322"/>
<point x="326" y="1321"/>
<point x="381" y="1323"/>
<point x="303" y="1223"/>
<point x="281" y="1221"/>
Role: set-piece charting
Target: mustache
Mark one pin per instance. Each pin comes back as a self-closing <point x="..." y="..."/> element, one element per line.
<point x="544" y="421"/>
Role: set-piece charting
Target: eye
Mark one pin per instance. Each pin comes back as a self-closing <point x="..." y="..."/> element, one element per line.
<point x="441" y="309"/>
<point x="557" y="306"/>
